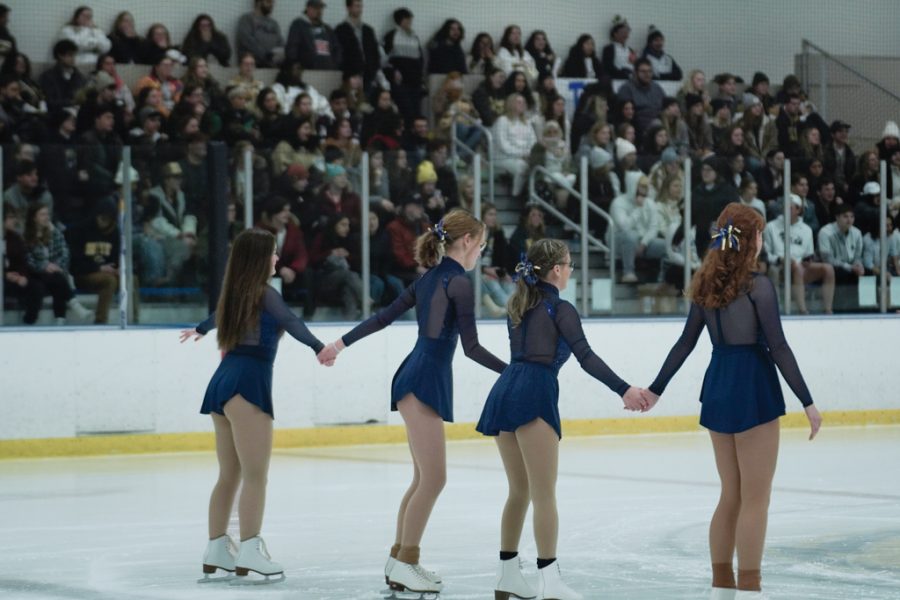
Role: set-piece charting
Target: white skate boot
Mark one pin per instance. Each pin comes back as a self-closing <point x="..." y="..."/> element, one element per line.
<point x="746" y="595"/>
<point x="510" y="581"/>
<point x="722" y="594"/>
<point x="412" y="582"/>
<point x="391" y="561"/>
<point x="552" y="586"/>
<point x="220" y="554"/>
<point x="254" y="556"/>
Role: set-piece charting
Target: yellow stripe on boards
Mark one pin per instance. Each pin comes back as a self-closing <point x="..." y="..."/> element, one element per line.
<point x="354" y="435"/>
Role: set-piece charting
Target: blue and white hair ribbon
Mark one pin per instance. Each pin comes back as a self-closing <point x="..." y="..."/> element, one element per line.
<point x="726" y="237"/>
<point x="526" y="270"/>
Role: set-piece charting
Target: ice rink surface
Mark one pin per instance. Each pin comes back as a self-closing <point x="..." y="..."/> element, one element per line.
<point x="634" y="512"/>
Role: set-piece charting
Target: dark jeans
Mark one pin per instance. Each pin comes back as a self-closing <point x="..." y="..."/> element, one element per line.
<point x="57" y="286"/>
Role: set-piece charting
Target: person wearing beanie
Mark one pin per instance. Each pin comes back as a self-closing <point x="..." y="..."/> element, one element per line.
<point x="759" y="87"/>
<point x="601" y="189"/>
<point x="668" y="166"/>
<point x="335" y="198"/>
<point x="626" y="162"/>
<point x="664" y="66"/>
<point x="428" y="194"/>
<point x="723" y="111"/>
<point x="890" y="139"/>
<point x="617" y="59"/>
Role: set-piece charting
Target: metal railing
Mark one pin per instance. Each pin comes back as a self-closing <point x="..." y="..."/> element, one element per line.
<point x="588" y="241"/>
<point x="456" y="145"/>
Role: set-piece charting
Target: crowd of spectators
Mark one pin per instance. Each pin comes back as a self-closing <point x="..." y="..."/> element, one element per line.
<point x="63" y="133"/>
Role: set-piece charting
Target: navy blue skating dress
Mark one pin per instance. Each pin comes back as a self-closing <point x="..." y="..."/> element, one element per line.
<point x="540" y="345"/>
<point x="246" y="369"/>
<point x="741" y="388"/>
<point x="445" y="311"/>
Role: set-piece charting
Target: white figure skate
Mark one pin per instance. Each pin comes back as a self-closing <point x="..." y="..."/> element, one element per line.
<point x="254" y="557"/>
<point x="220" y="554"/>
<point x="511" y="583"/>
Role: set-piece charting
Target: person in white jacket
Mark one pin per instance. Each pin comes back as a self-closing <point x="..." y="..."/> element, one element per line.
<point x="514" y="137"/>
<point x="636" y="221"/>
<point x="805" y="268"/>
<point x="90" y="39"/>
<point x="513" y="57"/>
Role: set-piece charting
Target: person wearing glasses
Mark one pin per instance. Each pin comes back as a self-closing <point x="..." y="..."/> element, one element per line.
<point x="522" y="412"/>
<point x="422" y="389"/>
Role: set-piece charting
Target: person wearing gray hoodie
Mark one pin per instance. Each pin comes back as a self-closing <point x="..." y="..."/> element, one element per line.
<point x="635" y="219"/>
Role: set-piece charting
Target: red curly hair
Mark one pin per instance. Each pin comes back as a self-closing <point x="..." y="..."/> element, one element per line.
<point x="726" y="274"/>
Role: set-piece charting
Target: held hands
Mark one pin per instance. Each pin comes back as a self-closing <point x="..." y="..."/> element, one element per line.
<point x="639" y="399"/>
<point x="815" y="420"/>
<point x="329" y="353"/>
<point x="187" y="334"/>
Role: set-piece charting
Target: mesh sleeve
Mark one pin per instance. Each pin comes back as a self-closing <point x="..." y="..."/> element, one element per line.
<point x="382" y="318"/>
<point x="274" y="304"/>
<point x="680" y="351"/>
<point x="207" y="325"/>
<point x="463" y="297"/>
<point x="569" y="324"/>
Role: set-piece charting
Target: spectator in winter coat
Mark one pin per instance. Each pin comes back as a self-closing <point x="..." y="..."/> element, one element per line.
<point x="840" y="162"/>
<point x="403" y="232"/>
<point x="445" y="53"/>
<point x="260" y="35"/>
<point x="312" y="42"/>
<point x="618" y="59"/>
<point x="90" y="39"/>
<point x="664" y="66"/>
<point x="293" y="258"/>
<point x="538" y="46"/>
<point x="636" y="221"/>
<point x="27" y="190"/>
<point x="126" y="43"/>
<point x="582" y="62"/>
<point x="61" y="82"/>
<point x="512" y="56"/>
<point x="204" y="39"/>
<point x="514" y="138"/>
<point x="359" y="46"/>
<point x="709" y="198"/>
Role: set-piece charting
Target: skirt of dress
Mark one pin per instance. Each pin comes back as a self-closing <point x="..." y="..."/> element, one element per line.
<point x="428" y="374"/>
<point x="524" y="392"/>
<point x="245" y="370"/>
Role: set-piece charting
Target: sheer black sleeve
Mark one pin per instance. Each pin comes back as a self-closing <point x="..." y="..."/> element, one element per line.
<point x="766" y="302"/>
<point x="569" y="324"/>
<point x="274" y="304"/>
<point x="383" y="317"/>
<point x="463" y="297"/>
<point x="207" y="325"/>
<point x="680" y="351"/>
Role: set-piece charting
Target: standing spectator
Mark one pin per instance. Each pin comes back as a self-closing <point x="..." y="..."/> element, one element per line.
<point x="840" y="162"/>
<point x="445" y="53"/>
<point x="800" y="255"/>
<point x="62" y="81"/>
<point x="361" y="51"/>
<point x="636" y="221"/>
<point x="94" y="244"/>
<point x="618" y="59"/>
<point x="161" y="78"/>
<point x="7" y="41"/>
<point x="89" y="38"/>
<point x="312" y="42"/>
<point x="260" y="35"/>
<point x="841" y="246"/>
<point x="582" y="62"/>
<point x="204" y="39"/>
<point x="538" y="46"/>
<point x="482" y="57"/>
<point x="101" y="151"/>
<point x="407" y="61"/>
<point x="489" y="98"/>
<point x="290" y="246"/>
<point x="158" y="44"/>
<point x="512" y="56"/>
<point x="27" y="190"/>
<point x="19" y="281"/>
<point x="48" y="261"/>
<point x="402" y="233"/>
<point x="664" y="66"/>
<point x="645" y="93"/>
<point x="514" y="137"/>
<point x="126" y="43"/>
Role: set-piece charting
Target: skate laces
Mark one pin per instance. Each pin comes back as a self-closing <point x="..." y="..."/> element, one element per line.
<point x="263" y="550"/>
<point x="422" y="573"/>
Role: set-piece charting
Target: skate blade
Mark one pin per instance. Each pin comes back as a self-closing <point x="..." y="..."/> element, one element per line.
<point x="220" y="579"/>
<point x="397" y="595"/>
<point x="251" y="580"/>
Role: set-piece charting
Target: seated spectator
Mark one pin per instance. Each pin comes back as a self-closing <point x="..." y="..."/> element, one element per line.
<point x="582" y="62"/>
<point x="260" y="180"/>
<point x="94" y="244"/>
<point x="101" y="91"/>
<point x="100" y="151"/>
<point x="406" y="64"/>
<point x="599" y="136"/>
<point x="452" y="107"/>
<point x="157" y="45"/>
<point x="727" y="89"/>
<point x="294" y="186"/>
<point x="335" y="256"/>
<point x="18" y="67"/>
<point x="747" y="191"/>
<point x="801" y="255"/>
<point x="529" y="230"/>
<point x="198" y="75"/>
<point x="602" y="185"/>
<point x="538" y="46"/>
<point x="428" y="194"/>
<point x="171" y="225"/>
<point x="161" y="78"/>
<point x="733" y="142"/>
<point x="7" y="40"/>
<point x="760" y="134"/>
<point x="721" y="121"/>
<point x="17" y="122"/>
<point x="481" y="56"/>
<point x="269" y="114"/>
<point x="379" y="184"/>
<point x="247" y="81"/>
<point x="439" y="155"/>
<point x="664" y="66"/>
<point x="514" y="137"/>
<point x="677" y="130"/>
<point x="810" y="146"/>
<point x="867" y="208"/>
<point x="260" y="35"/>
<point x="737" y="171"/>
<point x="645" y="93"/>
<point x="709" y="198"/>
<point x="636" y="221"/>
<point x="841" y="246"/>
<point x="339" y="109"/>
<point x="87" y="37"/>
<point x="675" y="241"/>
<point x="668" y="166"/>
<point x="695" y="84"/>
<point x="555" y="111"/>
<point x="381" y="118"/>
<point x="146" y="141"/>
<point x="771" y="179"/>
<point x="445" y="53"/>
<point x="489" y="97"/>
<point x="415" y="141"/>
<point x="27" y="190"/>
<point x="669" y="202"/>
<point x="107" y="64"/>
<point x="656" y="140"/>
<point x="893" y="176"/>
<point x="512" y="56"/>
<point x="300" y="148"/>
<point x="496" y="281"/>
<point x="238" y="123"/>
<point x="19" y="282"/>
<point x="62" y="81"/>
<point x="48" y="262"/>
<point x="868" y="170"/>
<point x="289" y="84"/>
<point x="840" y="161"/>
<point x="150" y="97"/>
<point x="700" y="133"/>
<point x="617" y="58"/>
<point x="125" y="42"/>
<point x="872" y="250"/>
<point x="759" y="87"/>
<point x="890" y="139"/>
<point x="592" y="111"/>
<point x="826" y="200"/>
<point x="311" y="42"/>
<point x="384" y="288"/>
<point x="340" y="136"/>
<point x="203" y="40"/>
<point x="360" y="48"/>
<point x="625" y="161"/>
<point x="402" y="232"/>
<point x="293" y="257"/>
<point x="401" y="178"/>
<point x="790" y="123"/>
<point x="335" y="198"/>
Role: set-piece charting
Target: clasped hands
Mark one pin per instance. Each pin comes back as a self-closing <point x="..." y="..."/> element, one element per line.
<point x="328" y="354"/>
<point x="639" y="399"/>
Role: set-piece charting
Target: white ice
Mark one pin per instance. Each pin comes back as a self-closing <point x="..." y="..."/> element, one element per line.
<point x="634" y="512"/>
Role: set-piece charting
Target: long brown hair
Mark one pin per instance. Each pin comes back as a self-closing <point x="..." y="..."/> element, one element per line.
<point x="727" y="273"/>
<point x="34" y="235"/>
<point x="544" y="255"/>
<point x="455" y="225"/>
<point x="246" y="277"/>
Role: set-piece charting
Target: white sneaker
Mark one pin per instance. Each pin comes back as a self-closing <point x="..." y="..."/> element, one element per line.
<point x="405" y="577"/>
<point x="61" y="321"/>
<point x="220" y="554"/>
<point x="722" y="594"/>
<point x="254" y="556"/>
<point x="82" y="315"/>
<point x="629" y="278"/>
<point x="510" y="581"/>
<point x="552" y="586"/>
<point x="747" y="595"/>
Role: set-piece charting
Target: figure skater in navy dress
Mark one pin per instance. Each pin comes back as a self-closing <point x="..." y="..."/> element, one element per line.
<point x="522" y="412"/>
<point x="422" y="389"/>
<point x="250" y="317"/>
<point x="741" y="395"/>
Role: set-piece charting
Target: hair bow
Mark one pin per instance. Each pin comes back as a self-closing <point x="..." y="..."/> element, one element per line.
<point x="726" y="237"/>
<point x="439" y="231"/>
<point x="526" y="270"/>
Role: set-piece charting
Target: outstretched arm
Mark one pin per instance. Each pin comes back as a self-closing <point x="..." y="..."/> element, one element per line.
<point x="569" y="324"/>
<point x="381" y="319"/>
<point x="462" y="295"/>
<point x="274" y="304"/>
<point x="680" y="351"/>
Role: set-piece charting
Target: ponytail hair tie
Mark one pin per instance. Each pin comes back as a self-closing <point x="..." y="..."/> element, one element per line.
<point x="439" y="231"/>
<point x="726" y="237"/>
<point x="526" y="270"/>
